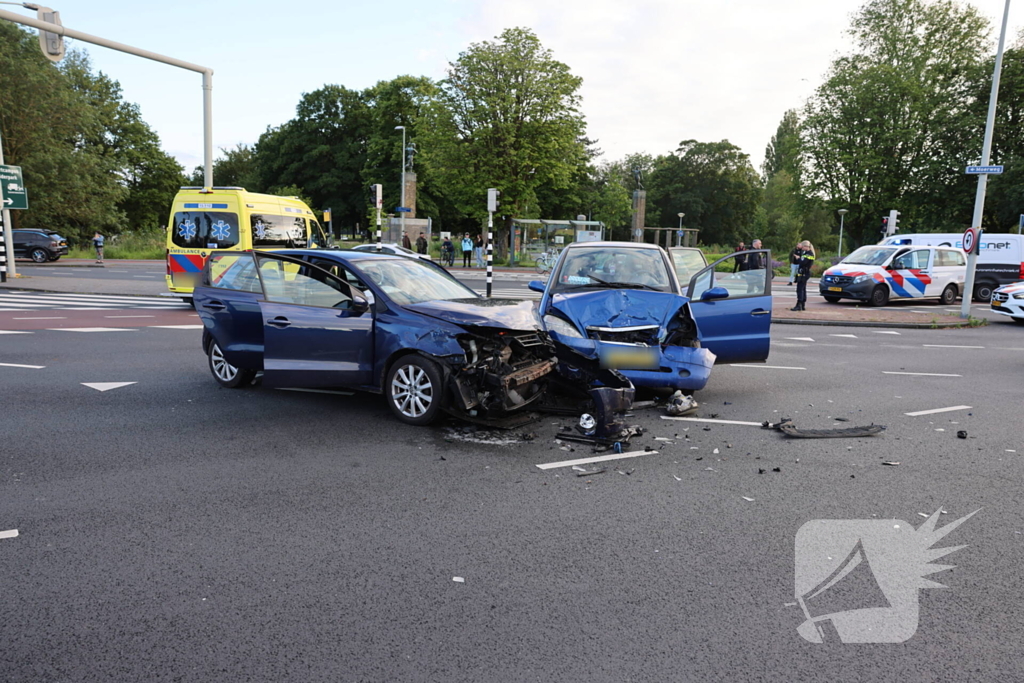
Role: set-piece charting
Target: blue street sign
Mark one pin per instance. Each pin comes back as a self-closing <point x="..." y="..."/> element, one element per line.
<point x="979" y="170"/>
<point x="402" y="209"/>
<point x="679" y="233"/>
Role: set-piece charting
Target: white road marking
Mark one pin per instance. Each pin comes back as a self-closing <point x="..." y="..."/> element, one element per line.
<point x="178" y="327"/>
<point x="801" y="338"/>
<point x="14" y="332"/>
<point x="93" y="329"/>
<point x="56" y="317"/>
<point x="13" y="533"/>
<point x="106" y="386"/>
<point x="770" y="367"/>
<point x="886" y="332"/>
<point x="16" y="365"/>
<point x="599" y="458"/>
<point x="937" y="410"/>
<point x="129" y="316"/>
<point x="921" y="374"/>
<point x="850" y="336"/>
<point x="702" y="419"/>
<point x="316" y="391"/>
<point x="949" y="346"/>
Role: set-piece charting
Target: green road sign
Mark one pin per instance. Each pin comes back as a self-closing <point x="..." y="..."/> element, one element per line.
<point x="12" y="188"/>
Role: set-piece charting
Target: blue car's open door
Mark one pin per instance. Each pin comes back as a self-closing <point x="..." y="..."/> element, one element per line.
<point x="731" y="301"/>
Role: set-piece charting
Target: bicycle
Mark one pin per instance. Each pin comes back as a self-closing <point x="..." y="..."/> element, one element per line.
<point x="545" y="261"/>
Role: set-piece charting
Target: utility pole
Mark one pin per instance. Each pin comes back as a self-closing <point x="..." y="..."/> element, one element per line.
<point x="401" y="206"/>
<point x="492" y="206"/>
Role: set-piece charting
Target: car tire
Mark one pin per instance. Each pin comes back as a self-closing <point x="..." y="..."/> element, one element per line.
<point x="413" y="390"/>
<point x="226" y="374"/>
<point x="948" y="296"/>
<point x="879" y="296"/>
<point x="39" y="255"/>
<point x="983" y="291"/>
<point x="831" y="299"/>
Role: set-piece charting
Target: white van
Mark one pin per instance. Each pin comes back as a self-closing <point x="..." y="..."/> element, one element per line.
<point x="875" y="274"/>
<point x="1000" y="260"/>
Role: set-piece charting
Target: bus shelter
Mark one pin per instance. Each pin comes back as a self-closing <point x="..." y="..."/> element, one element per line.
<point x="533" y="236"/>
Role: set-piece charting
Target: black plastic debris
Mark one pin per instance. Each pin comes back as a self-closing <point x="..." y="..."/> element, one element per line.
<point x="787" y="427"/>
<point x="891" y="464"/>
<point x="776" y="469"/>
<point x="760" y="470"/>
<point x="842" y="419"/>
<point x="962" y="434"/>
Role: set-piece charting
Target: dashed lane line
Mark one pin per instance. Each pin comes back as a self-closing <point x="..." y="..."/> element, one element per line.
<point x="920" y="374"/>
<point x="949" y="346"/>
<point x="18" y="365"/>
<point x="767" y="367"/>
<point x="13" y="533"/>
<point x="937" y="410"/>
<point x="707" y="419"/>
<point x="599" y="458"/>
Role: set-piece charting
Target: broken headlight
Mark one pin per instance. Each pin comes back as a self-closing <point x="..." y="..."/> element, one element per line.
<point x="562" y="327"/>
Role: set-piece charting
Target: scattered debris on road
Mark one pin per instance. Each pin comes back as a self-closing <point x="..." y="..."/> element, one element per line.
<point x="787" y="427"/>
<point x="891" y="464"/>
<point x="680" y="404"/>
<point x="961" y="434"/>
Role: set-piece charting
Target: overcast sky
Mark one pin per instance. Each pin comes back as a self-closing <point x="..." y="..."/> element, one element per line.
<point x="655" y="72"/>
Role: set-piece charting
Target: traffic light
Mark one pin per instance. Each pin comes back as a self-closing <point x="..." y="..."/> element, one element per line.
<point x="492" y="199"/>
<point x="885" y="225"/>
<point x="51" y="43"/>
<point x="377" y="195"/>
<point x="893" y="224"/>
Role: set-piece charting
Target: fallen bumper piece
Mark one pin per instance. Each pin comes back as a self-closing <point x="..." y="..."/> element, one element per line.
<point x="787" y="427"/>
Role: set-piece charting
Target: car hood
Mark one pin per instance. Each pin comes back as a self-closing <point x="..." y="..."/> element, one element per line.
<point x="618" y="307"/>
<point x="510" y="314"/>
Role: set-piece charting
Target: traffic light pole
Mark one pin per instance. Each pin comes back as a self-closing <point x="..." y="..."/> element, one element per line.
<point x="986" y="150"/>
<point x="490" y="251"/>
<point x="146" y="54"/>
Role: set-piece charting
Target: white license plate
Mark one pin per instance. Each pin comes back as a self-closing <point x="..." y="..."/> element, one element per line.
<point x="625" y="358"/>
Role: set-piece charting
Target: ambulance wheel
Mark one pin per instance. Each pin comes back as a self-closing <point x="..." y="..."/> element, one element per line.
<point x="879" y="296"/>
<point x="832" y="299"/>
<point x="413" y="390"/>
<point x="983" y="291"/>
<point x="948" y="295"/>
<point x="226" y="374"/>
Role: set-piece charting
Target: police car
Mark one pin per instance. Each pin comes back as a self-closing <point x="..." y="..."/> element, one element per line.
<point x="1008" y="300"/>
<point x="876" y="274"/>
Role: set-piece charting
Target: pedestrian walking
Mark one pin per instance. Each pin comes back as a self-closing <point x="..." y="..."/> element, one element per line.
<point x="805" y="253"/>
<point x="794" y="264"/>
<point x="421" y="244"/>
<point x="467" y="250"/>
<point x="406" y="242"/>
<point x="97" y="243"/>
<point x="478" y="252"/>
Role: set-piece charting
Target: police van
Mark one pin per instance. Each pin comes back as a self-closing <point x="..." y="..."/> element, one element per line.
<point x="1000" y="261"/>
<point x="875" y="274"/>
<point x="230" y="218"/>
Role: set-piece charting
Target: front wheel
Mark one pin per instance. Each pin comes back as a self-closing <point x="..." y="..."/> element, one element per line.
<point x="948" y="296"/>
<point x="879" y="296"/>
<point x="226" y="374"/>
<point x="413" y="390"/>
<point x="39" y="255"/>
<point x="831" y="299"/>
<point x="983" y="291"/>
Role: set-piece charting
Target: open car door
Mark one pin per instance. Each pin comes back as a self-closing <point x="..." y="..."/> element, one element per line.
<point x="731" y="300"/>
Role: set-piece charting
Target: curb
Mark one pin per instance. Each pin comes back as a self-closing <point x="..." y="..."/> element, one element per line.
<point x="867" y="323"/>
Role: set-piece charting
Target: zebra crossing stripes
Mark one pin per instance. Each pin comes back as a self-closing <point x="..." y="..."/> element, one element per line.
<point x="42" y="301"/>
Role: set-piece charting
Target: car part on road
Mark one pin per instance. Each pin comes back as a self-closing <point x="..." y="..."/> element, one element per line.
<point x="962" y="434"/>
<point x="787" y="427"/>
<point x="680" y="404"/>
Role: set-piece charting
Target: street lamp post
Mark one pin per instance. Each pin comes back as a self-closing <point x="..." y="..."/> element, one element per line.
<point x="401" y="219"/>
<point x="842" y="216"/>
<point x="679" y="236"/>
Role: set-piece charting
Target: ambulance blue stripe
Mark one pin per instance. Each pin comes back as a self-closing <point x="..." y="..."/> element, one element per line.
<point x="206" y="206"/>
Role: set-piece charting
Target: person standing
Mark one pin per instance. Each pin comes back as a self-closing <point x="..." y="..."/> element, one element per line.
<point x="794" y="264"/>
<point x="447" y="252"/>
<point x="97" y="243"/>
<point x="467" y="250"/>
<point x="421" y="244"/>
<point x="741" y="261"/>
<point x="755" y="262"/>
<point x="805" y="254"/>
<point x="406" y="242"/>
<point x="478" y="252"/>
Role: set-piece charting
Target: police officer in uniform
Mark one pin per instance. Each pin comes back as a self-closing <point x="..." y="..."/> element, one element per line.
<point x="804" y="258"/>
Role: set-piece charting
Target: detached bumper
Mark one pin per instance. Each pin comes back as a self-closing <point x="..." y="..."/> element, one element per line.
<point x="676" y="367"/>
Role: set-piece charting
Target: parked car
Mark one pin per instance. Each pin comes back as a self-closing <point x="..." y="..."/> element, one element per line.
<point x="878" y="273"/>
<point x="39" y="245"/>
<point x="622" y="303"/>
<point x="1008" y="300"/>
<point x="392" y="248"/>
<point x="373" y="322"/>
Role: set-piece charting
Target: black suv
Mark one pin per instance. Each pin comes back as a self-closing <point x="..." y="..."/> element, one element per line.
<point x="39" y="245"/>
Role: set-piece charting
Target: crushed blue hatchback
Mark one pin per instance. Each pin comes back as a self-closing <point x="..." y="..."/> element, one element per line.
<point x="621" y="304"/>
<point x="379" y="323"/>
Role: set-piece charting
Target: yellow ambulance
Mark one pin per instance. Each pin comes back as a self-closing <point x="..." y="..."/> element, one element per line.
<point x="218" y="218"/>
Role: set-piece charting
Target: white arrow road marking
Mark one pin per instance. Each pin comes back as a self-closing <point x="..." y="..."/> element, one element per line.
<point x="16" y="365"/>
<point x="599" y="458"/>
<point x="13" y="533"/>
<point x="937" y="410"/>
<point x="106" y="386"/>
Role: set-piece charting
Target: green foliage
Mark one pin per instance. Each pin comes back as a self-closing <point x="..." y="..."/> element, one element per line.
<point x="785" y="151"/>
<point x="145" y="244"/>
<point x="233" y="168"/>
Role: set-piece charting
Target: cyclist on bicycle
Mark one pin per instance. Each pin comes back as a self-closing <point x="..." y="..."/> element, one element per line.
<point x="448" y="252"/>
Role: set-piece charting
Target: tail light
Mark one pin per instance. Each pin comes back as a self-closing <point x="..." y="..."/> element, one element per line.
<point x="1022" y="271"/>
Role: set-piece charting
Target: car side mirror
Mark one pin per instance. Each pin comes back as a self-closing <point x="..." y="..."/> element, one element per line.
<point x="536" y="286"/>
<point x="359" y="305"/>
<point x="715" y="293"/>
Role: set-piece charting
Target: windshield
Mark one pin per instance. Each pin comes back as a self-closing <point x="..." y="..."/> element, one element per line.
<point x="613" y="267"/>
<point x="869" y="256"/>
<point x="409" y="281"/>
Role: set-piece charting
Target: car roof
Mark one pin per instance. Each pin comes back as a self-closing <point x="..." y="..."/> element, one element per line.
<point x="629" y="245"/>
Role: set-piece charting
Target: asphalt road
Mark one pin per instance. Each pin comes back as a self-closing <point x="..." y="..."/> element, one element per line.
<point x="173" y="530"/>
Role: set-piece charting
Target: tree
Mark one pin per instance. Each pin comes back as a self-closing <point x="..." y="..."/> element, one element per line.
<point x="890" y="127"/>
<point x="235" y="167"/>
<point x="507" y="116"/>
<point x="785" y="151"/>
<point x="713" y="183"/>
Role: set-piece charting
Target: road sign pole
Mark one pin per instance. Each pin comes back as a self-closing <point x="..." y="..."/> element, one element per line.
<point x="986" y="149"/>
<point x="6" y="216"/>
<point x="490" y="251"/>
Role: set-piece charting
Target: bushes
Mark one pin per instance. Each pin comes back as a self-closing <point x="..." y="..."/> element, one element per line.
<point x="150" y="244"/>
